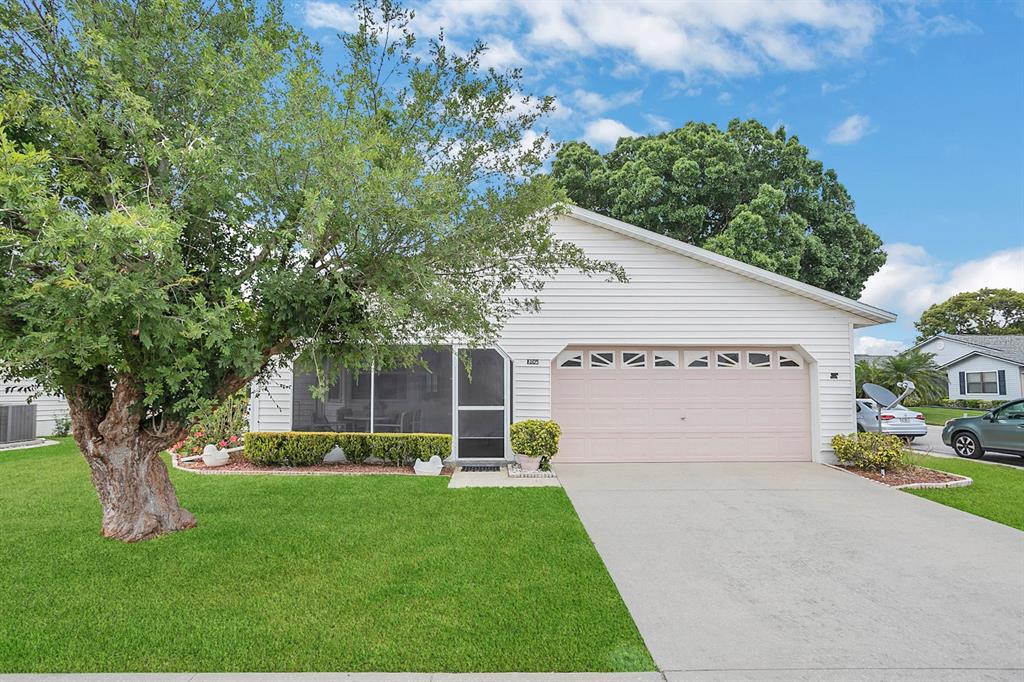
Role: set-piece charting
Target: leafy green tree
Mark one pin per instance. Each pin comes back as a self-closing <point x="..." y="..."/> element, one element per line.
<point x="187" y="198"/>
<point x="917" y="366"/>
<point x="986" y="311"/>
<point x="744" y="191"/>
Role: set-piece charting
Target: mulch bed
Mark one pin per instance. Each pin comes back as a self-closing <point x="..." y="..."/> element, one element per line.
<point x="240" y="466"/>
<point x="912" y="474"/>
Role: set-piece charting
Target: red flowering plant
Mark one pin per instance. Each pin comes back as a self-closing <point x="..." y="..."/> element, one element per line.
<point x="225" y="427"/>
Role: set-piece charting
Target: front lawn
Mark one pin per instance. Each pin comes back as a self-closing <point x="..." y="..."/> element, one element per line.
<point x="304" y="573"/>
<point x="937" y="416"/>
<point x="997" y="492"/>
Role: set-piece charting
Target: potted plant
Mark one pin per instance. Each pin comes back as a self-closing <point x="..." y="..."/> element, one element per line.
<point x="535" y="442"/>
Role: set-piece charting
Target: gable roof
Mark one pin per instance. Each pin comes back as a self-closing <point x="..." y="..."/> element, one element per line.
<point x="979" y="353"/>
<point x="871" y="313"/>
<point x="1009" y="347"/>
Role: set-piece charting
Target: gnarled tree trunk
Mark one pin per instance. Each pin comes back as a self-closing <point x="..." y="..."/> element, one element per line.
<point x="135" y="491"/>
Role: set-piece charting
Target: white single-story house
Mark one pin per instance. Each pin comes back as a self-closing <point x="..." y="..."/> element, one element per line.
<point x="697" y="357"/>
<point x="980" y="366"/>
<point x="26" y="412"/>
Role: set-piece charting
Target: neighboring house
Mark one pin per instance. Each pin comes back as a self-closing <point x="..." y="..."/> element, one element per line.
<point x="48" y="408"/>
<point x="980" y="366"/>
<point x="698" y="357"/>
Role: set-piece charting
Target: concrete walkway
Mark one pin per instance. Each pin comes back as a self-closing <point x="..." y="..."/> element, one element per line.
<point x="802" y="572"/>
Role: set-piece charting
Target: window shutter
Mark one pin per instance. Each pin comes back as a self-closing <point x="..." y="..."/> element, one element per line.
<point x="963" y="383"/>
<point x="1002" y="382"/>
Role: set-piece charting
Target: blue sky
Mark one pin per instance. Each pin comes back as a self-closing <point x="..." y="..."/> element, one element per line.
<point x="919" y="106"/>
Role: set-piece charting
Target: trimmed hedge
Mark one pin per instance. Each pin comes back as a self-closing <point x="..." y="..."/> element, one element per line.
<point x="301" y="449"/>
<point x="871" y="451"/>
<point x="968" y="404"/>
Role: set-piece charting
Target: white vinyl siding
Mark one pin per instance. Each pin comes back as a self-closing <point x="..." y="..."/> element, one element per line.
<point x="48" y="407"/>
<point x="270" y="408"/>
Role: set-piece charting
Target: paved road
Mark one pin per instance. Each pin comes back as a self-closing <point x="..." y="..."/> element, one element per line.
<point x="802" y="572"/>
<point x="932" y="444"/>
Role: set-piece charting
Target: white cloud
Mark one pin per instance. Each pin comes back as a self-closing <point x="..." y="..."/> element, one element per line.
<point x="724" y="97"/>
<point x="501" y="53"/>
<point x="852" y="129"/>
<point x="595" y="103"/>
<point x="330" y="15"/>
<point x="605" y="132"/>
<point x="698" y="36"/>
<point x="657" y="122"/>
<point x="873" y="345"/>
<point x="911" y="279"/>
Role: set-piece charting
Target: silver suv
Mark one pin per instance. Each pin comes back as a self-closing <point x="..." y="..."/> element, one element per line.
<point x="1000" y="430"/>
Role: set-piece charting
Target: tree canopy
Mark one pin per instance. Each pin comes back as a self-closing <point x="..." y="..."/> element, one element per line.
<point x="187" y="197"/>
<point x="745" y="192"/>
<point x="986" y="311"/>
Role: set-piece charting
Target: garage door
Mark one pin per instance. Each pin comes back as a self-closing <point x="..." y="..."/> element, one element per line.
<point x="638" y="404"/>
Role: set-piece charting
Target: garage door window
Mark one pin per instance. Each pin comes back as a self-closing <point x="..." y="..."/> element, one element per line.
<point x="759" y="360"/>
<point x="602" y="359"/>
<point x="789" y="359"/>
<point x="696" y="359"/>
<point x="727" y="359"/>
<point x="634" y="359"/>
<point x="668" y="359"/>
<point x="570" y="358"/>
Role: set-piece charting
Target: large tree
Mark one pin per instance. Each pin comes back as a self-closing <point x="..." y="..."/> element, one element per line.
<point x="746" y="192"/>
<point x="986" y="311"/>
<point x="187" y="198"/>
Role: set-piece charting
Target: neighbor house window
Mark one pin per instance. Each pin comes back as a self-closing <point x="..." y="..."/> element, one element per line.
<point x="602" y="359"/>
<point x="982" y="382"/>
<point x="634" y="359"/>
<point x="727" y="359"/>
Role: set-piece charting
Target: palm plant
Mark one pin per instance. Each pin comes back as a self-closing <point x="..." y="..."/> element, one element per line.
<point x="866" y="372"/>
<point x="916" y="366"/>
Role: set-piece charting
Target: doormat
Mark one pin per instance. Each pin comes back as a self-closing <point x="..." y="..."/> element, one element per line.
<point x="479" y="468"/>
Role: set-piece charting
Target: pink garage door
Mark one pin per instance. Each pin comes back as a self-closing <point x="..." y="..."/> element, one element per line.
<point x="635" y="404"/>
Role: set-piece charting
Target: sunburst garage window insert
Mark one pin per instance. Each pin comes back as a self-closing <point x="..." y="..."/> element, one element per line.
<point x="727" y="359"/>
<point x="696" y="359"/>
<point x="758" y="359"/>
<point x="666" y="359"/>
<point x="634" y="359"/>
<point x="602" y="359"/>
<point x="570" y="359"/>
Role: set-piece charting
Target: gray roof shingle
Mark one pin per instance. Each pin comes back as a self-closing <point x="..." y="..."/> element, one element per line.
<point x="1008" y="347"/>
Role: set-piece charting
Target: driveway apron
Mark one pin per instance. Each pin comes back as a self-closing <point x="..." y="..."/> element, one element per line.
<point x="799" y="571"/>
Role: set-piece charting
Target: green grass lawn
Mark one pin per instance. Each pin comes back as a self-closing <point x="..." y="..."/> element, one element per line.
<point x="316" y="573"/>
<point x="937" y="416"/>
<point x="997" y="492"/>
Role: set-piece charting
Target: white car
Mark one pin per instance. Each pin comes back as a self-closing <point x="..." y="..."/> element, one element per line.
<point x="896" y="420"/>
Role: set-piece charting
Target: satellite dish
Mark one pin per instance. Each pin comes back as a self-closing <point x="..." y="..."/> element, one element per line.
<point x="881" y="395"/>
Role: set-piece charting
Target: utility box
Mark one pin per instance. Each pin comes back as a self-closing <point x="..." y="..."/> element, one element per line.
<point x="17" y="423"/>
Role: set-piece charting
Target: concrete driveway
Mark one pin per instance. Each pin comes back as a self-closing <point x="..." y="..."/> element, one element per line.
<point x="801" y="572"/>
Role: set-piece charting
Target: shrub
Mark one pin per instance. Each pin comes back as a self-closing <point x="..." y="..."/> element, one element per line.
<point x="536" y="438"/>
<point x="969" y="404"/>
<point x="871" y="451"/>
<point x="224" y="426"/>
<point x="299" y="449"/>
<point x="62" y="425"/>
